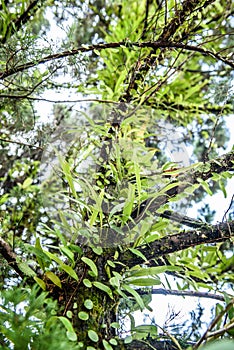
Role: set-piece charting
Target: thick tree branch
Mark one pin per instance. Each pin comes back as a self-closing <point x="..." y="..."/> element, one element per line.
<point x="10" y="257"/>
<point x="188" y="7"/>
<point x="180" y="241"/>
<point x="150" y="343"/>
<point x="183" y="181"/>
<point x="114" y="45"/>
<point x="27" y="14"/>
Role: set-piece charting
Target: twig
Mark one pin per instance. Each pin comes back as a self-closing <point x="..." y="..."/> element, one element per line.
<point x="213" y="323"/>
<point x="20" y="143"/>
<point x="221" y="331"/>
<point x="230" y="205"/>
<point x="188" y="293"/>
<point x="30" y="98"/>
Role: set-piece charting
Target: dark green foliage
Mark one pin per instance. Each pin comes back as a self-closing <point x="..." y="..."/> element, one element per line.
<point x="25" y="321"/>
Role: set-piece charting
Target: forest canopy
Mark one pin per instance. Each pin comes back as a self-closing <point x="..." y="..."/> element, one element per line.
<point x="115" y="129"/>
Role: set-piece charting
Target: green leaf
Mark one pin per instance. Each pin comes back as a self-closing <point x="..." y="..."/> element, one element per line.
<point x="54" y="257"/>
<point x="119" y="82"/>
<point x="113" y="341"/>
<point x="168" y="187"/>
<point x="219" y="345"/>
<point x="103" y="287"/>
<point x="111" y="263"/>
<point x="128" y="339"/>
<point x="205" y="186"/>
<point x="88" y="304"/>
<point x="198" y="273"/>
<point x="42" y="258"/>
<point x="71" y="334"/>
<point x="40" y="282"/>
<point x="83" y="315"/>
<point x="75" y="248"/>
<point x="69" y="270"/>
<point x="223" y="188"/>
<point x="66" y="323"/>
<point x="69" y="314"/>
<point x="134" y="293"/>
<point x="115" y="325"/>
<point x="87" y="283"/>
<point x="67" y="252"/>
<point x="152" y="271"/>
<point x="138" y="253"/>
<point x="67" y="172"/>
<point x="55" y="279"/>
<point x="152" y="238"/>
<point x="93" y="335"/>
<point x="148" y="329"/>
<point x="23" y="266"/>
<point x="114" y="282"/>
<point x="4" y="198"/>
<point x="145" y="281"/>
<point x="91" y="264"/>
<point x="127" y="210"/>
<point x="27" y="182"/>
<point x="106" y="345"/>
<point x="66" y="224"/>
<point x="97" y="250"/>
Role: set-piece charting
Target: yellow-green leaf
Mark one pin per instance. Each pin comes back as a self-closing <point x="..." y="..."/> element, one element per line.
<point x="93" y="335"/>
<point x="91" y="264"/>
<point x="134" y="293"/>
<point x="40" y="282"/>
<point x="27" y="182"/>
<point x="103" y="287"/>
<point x="69" y="270"/>
<point x="55" y="279"/>
<point x="145" y="281"/>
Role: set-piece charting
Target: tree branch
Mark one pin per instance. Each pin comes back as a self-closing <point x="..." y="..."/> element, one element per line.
<point x="10" y="257"/>
<point x="20" y="143"/>
<point x="150" y="343"/>
<point x="188" y="8"/>
<point x="114" y="45"/>
<point x="183" y="181"/>
<point x="180" y="241"/>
